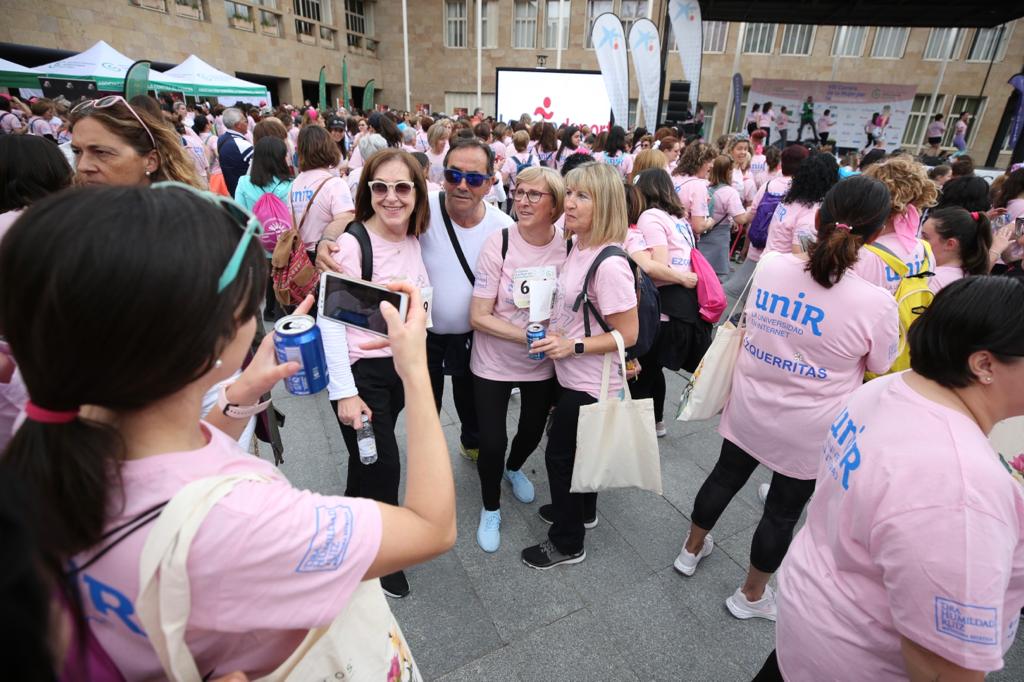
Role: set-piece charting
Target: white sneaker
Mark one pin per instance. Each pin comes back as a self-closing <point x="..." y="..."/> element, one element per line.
<point x="515" y="390"/>
<point x="762" y="608"/>
<point x="659" y="429"/>
<point x="686" y="563"/>
<point x="762" y="492"/>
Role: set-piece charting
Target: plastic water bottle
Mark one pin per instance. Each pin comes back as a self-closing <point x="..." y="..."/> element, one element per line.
<point x="366" y="442"/>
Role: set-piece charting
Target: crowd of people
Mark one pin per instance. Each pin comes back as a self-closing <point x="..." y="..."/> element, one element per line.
<point x="137" y="363"/>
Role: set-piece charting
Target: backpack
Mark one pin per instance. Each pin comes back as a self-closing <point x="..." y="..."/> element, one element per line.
<point x="647" y="299"/>
<point x="520" y="165"/>
<point x="546" y="159"/>
<point x="3" y="116"/>
<point x="757" y="233"/>
<point x="275" y="218"/>
<point x="912" y="298"/>
<point x="294" y="276"/>
<point x="711" y="204"/>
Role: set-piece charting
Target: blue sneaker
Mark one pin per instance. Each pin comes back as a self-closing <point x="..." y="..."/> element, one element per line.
<point x="488" y="534"/>
<point x="521" y="486"/>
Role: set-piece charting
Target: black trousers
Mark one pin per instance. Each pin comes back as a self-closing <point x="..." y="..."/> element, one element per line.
<point x="448" y="354"/>
<point x="800" y="132"/>
<point x="650" y="383"/>
<point x="782" y="509"/>
<point x="535" y="400"/>
<point x="381" y="389"/>
<point x="770" y="670"/>
<point x="570" y="509"/>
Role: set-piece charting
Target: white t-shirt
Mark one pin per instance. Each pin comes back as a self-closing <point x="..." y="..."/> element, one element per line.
<point x="450" y="311"/>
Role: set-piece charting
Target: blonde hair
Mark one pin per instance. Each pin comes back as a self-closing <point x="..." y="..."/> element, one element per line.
<point x="604" y="185"/>
<point x="435" y="133"/>
<point x="907" y="181"/>
<point x="553" y="181"/>
<point x="520" y="140"/>
<point x="648" y="158"/>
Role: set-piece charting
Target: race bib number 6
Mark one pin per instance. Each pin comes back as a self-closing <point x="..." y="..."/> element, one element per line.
<point x="521" y="279"/>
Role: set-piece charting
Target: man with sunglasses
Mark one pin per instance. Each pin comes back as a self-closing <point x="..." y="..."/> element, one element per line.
<point x="458" y="229"/>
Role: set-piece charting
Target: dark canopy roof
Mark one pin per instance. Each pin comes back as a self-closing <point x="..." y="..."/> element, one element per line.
<point x="980" y="13"/>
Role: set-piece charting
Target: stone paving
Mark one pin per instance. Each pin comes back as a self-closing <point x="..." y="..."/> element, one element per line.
<point x="623" y="614"/>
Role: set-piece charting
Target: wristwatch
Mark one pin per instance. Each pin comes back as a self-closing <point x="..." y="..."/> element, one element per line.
<point x="234" y="411"/>
<point x="577" y="347"/>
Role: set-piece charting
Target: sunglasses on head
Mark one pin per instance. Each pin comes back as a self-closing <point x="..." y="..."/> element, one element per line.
<point x="109" y="101"/>
<point x="472" y="179"/>
<point x="402" y="188"/>
<point x="249" y="224"/>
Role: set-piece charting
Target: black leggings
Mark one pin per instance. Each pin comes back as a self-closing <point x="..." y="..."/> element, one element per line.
<point x="535" y="400"/>
<point x="569" y="509"/>
<point x="782" y="509"/>
<point x="770" y="670"/>
<point x="650" y="383"/>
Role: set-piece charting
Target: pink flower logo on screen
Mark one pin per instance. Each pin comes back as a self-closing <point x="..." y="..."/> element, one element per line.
<point x="543" y="111"/>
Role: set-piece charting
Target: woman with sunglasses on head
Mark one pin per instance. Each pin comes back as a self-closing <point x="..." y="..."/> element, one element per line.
<point x="117" y="144"/>
<point x="509" y="263"/>
<point x="595" y="214"/>
<point x="911" y="561"/>
<point x="392" y="206"/>
<point x="812" y="328"/>
<point x="123" y="425"/>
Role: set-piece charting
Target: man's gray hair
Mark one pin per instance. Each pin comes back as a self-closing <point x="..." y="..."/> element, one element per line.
<point x="409" y="135"/>
<point x="370" y="145"/>
<point x="232" y="117"/>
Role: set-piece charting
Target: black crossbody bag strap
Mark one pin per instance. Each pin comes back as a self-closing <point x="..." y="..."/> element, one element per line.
<point x="358" y="230"/>
<point x="455" y="241"/>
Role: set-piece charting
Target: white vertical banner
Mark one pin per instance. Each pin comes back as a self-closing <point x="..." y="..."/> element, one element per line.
<point x="645" y="48"/>
<point x="610" y="45"/>
<point x="686" y="25"/>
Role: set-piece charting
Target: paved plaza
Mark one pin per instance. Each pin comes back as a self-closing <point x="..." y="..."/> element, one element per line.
<point x="623" y="614"/>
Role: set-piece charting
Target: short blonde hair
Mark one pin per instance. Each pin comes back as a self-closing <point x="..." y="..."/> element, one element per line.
<point x="553" y="181"/>
<point x="604" y="185"/>
<point x="907" y="181"/>
<point x="648" y="158"/>
<point x="435" y="133"/>
<point x="521" y="139"/>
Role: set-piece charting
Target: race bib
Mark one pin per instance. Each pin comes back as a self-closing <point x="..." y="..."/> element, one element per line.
<point x="428" y="302"/>
<point x="521" y="279"/>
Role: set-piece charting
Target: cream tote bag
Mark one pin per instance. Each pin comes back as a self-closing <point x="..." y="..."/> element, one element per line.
<point x="364" y="643"/>
<point x="616" y="446"/>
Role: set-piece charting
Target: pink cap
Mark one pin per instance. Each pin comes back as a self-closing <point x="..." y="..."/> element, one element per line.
<point x="5" y="96"/>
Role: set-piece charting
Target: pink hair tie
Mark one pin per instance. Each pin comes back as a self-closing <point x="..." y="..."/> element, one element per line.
<point x="45" y="416"/>
<point x="974" y="214"/>
<point x="844" y="226"/>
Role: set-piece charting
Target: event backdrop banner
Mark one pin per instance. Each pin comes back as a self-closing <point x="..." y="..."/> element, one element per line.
<point x="645" y="48"/>
<point x="1017" y="122"/>
<point x="555" y="95"/>
<point x="689" y="34"/>
<point x="850" y="105"/>
<point x="737" y="102"/>
<point x="610" y="45"/>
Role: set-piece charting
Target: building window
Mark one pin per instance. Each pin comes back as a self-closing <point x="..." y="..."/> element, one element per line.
<point x="918" y="119"/>
<point x="989" y="44"/>
<point x="595" y="8"/>
<point x="975" y="106"/>
<point x="158" y="5"/>
<point x="709" y="118"/>
<point x="317" y="10"/>
<point x="358" y="21"/>
<point x="524" y="24"/>
<point x="759" y="38"/>
<point x="191" y="9"/>
<point x="270" y="23"/>
<point x="849" y="41"/>
<point x="455" y="23"/>
<point x="797" y="39"/>
<point x="629" y="12"/>
<point x="551" y="14"/>
<point x="239" y="16"/>
<point x="944" y="42"/>
<point x="489" y="23"/>
<point x="715" y="33"/>
<point x="890" y="42"/>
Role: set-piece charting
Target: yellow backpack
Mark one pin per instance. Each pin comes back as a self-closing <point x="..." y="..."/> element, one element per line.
<point x="912" y="298"/>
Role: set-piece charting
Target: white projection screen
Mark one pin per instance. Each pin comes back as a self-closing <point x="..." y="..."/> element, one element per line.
<point x="555" y="95"/>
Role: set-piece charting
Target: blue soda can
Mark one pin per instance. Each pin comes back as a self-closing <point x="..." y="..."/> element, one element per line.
<point x="535" y="332"/>
<point x="297" y="339"/>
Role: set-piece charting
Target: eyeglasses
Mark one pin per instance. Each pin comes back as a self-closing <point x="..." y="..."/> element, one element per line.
<point x="402" y="188"/>
<point x="472" y="179"/>
<point x="531" y="195"/>
<point x="109" y="101"/>
<point x="249" y="223"/>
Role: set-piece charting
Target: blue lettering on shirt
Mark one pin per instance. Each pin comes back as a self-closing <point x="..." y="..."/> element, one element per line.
<point x="842" y="453"/>
<point x="792" y="366"/>
<point x="330" y="540"/>
<point x="967" y="622"/>
<point x="777" y="304"/>
<point x="913" y="268"/>
<point x="108" y="600"/>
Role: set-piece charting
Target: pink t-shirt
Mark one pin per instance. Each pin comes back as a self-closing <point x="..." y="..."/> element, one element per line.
<point x="391" y="261"/>
<point x="777" y="185"/>
<point x="435" y="173"/>
<point x="7" y="219"/>
<point x="873" y="268"/>
<point x="9" y="122"/>
<point x="944" y="275"/>
<point x="621" y="162"/>
<point x="495" y="358"/>
<point x="935" y="129"/>
<point x="805" y="350"/>
<point x="693" y="195"/>
<point x="959" y="128"/>
<point x="765" y="118"/>
<point x="612" y="290"/>
<point x="334" y="199"/>
<point x="915" y="529"/>
<point x="634" y="241"/>
<point x="510" y="169"/>
<point x="789" y="223"/>
<point x="728" y="204"/>
<point x="759" y="170"/>
<point x="1015" y="209"/>
<point x="268" y="563"/>
<point x="13" y="396"/>
<point x="661" y="229"/>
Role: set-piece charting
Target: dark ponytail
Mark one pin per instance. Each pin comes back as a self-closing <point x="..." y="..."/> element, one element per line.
<point x="852" y="214"/>
<point x="109" y="300"/>
<point x="973" y="233"/>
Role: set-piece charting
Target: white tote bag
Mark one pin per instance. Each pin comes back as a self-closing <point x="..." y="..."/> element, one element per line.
<point x="616" y="446"/>
<point x="363" y="644"/>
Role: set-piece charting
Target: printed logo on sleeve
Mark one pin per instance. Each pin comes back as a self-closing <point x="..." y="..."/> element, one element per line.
<point x="967" y="622"/>
<point x="842" y="453"/>
<point x="329" y="544"/>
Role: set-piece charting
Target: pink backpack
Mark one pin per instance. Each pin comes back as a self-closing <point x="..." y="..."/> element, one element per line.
<point x="710" y="294"/>
<point x="275" y="218"/>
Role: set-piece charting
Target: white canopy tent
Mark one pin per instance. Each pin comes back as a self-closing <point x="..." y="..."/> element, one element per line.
<point x="106" y="67"/>
<point x="206" y="81"/>
<point x="17" y="76"/>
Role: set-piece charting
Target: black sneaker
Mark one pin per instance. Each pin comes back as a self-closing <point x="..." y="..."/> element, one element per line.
<point x="547" y="515"/>
<point x="395" y="585"/>
<point x="546" y="555"/>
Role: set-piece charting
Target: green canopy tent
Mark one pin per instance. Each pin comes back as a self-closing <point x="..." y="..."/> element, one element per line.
<point x="17" y="76"/>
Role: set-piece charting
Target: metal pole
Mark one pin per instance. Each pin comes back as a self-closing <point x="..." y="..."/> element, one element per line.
<point x="664" y="67"/>
<point x="479" y="50"/>
<point x="727" y="122"/>
<point x="405" y="49"/>
<point x="558" y="54"/>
